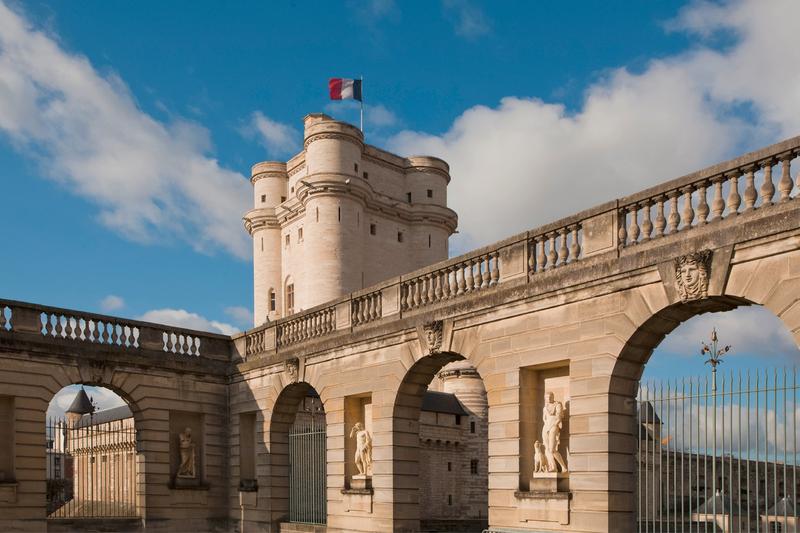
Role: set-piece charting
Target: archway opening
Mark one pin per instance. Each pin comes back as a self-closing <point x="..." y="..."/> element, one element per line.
<point x="298" y="456"/>
<point x="718" y="414"/>
<point x="91" y="455"/>
<point x="441" y="447"/>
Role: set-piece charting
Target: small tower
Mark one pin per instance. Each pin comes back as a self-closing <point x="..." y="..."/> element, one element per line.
<point x="340" y="216"/>
<point x="80" y="406"/>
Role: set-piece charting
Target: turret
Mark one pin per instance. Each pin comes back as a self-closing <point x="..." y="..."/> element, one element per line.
<point x="81" y="405"/>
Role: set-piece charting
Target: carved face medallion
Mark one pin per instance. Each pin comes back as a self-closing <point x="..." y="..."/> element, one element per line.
<point x="292" y="367"/>
<point x="691" y="275"/>
<point x="433" y="335"/>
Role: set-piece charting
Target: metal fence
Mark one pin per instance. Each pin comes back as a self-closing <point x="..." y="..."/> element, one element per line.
<point x="719" y="453"/>
<point x="91" y="469"/>
<point x="307" y="467"/>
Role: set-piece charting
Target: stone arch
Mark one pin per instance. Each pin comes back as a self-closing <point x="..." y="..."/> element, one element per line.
<point x="772" y="282"/>
<point x="283" y="416"/>
<point x="406" y="436"/>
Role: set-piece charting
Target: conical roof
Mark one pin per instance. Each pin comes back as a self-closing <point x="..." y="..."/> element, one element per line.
<point x="719" y="503"/>
<point x="81" y="404"/>
<point x="784" y="506"/>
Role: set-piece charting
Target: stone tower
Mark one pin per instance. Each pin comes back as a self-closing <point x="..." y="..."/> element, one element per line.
<point x="80" y="406"/>
<point x="342" y="215"/>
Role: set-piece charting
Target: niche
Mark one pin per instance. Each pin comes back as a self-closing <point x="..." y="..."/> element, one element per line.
<point x="358" y="437"/>
<point x="536" y="385"/>
<point x="186" y="449"/>
<point x="247" y="452"/>
<point x="7" y="439"/>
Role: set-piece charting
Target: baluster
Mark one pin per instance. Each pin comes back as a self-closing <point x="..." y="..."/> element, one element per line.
<point x="461" y="282"/>
<point x="717" y="204"/>
<point x="661" y="220"/>
<point x="487" y="275"/>
<point x="633" y="229"/>
<point x="674" y="218"/>
<point x="48" y="327"/>
<point x="417" y="291"/>
<point x="67" y="326"/>
<point x="767" y="188"/>
<point x="688" y="211"/>
<point x="575" y="247"/>
<point x="445" y="283"/>
<point x="364" y="310"/>
<point x="91" y="326"/>
<point x="475" y="265"/>
<point x="59" y="331"/>
<point x="734" y="200"/>
<point x="531" y="255"/>
<point x="495" y="274"/>
<point x="423" y="290"/>
<point x="431" y="289"/>
<point x="469" y="280"/>
<point x="372" y="311"/>
<point x="105" y="332"/>
<point x="404" y="296"/>
<point x="750" y="194"/>
<point x="541" y="257"/>
<point x="184" y="344"/>
<point x="552" y="255"/>
<point x="563" y="251"/>
<point x="647" y="224"/>
<point x="378" y="306"/>
<point x="452" y="281"/>
<point x="438" y="282"/>
<point x="115" y="334"/>
<point x="622" y="232"/>
<point x="702" y="204"/>
<point x="785" y="185"/>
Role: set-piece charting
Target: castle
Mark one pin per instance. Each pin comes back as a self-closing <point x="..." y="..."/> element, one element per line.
<point x="340" y="216"/>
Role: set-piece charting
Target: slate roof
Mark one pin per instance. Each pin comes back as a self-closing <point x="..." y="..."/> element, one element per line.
<point x="106" y="415"/>
<point x="81" y="404"/>
<point x="442" y="402"/>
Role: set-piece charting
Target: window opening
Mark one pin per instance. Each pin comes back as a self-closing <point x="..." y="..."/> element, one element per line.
<point x="271" y="299"/>
<point x="263" y="198"/>
<point x="290" y="298"/>
<point x="430" y="193"/>
<point x="372" y="229"/>
<point x="473" y="467"/>
<point x="399" y="236"/>
<point x="408" y="197"/>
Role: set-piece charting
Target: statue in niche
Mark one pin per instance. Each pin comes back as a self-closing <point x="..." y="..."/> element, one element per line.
<point x="691" y="275"/>
<point x="553" y="417"/>
<point x="363" y="458"/>
<point x="292" y="368"/>
<point x="539" y="460"/>
<point x="433" y="335"/>
<point x="187" y="448"/>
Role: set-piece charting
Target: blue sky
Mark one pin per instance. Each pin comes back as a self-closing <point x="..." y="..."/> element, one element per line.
<point x="127" y="130"/>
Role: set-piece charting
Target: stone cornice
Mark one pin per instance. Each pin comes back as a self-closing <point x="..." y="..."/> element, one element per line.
<point x="332" y="135"/>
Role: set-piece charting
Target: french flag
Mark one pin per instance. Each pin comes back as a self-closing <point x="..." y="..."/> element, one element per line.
<point x="343" y="88"/>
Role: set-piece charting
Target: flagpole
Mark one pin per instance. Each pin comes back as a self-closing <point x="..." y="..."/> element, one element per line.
<point x="362" y="103"/>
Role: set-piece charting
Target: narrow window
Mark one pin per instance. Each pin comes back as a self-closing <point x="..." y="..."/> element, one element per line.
<point x="291" y="189"/>
<point x="372" y="229"/>
<point x="366" y="175"/>
<point x="429" y="240"/>
<point x="473" y="467"/>
<point x="399" y="236"/>
<point x="430" y="193"/>
<point x="449" y="499"/>
<point x="340" y="214"/>
<point x="317" y="214"/>
<point x="262" y="244"/>
<point x="263" y="198"/>
<point x="272" y="299"/>
<point x="449" y="466"/>
<point x="458" y="420"/>
<point x="472" y="427"/>
<point x="290" y="298"/>
<point x="358" y="218"/>
<point x="408" y="197"/>
<point x="287" y="239"/>
<point x="299" y="234"/>
<point x="355" y="167"/>
<point x="283" y="198"/>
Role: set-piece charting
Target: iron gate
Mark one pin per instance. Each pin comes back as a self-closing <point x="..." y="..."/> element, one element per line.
<point x="719" y="453"/>
<point x="307" y="469"/>
<point x="91" y="469"/>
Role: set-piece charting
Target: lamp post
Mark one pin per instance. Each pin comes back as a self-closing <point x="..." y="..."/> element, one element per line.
<point x="715" y="358"/>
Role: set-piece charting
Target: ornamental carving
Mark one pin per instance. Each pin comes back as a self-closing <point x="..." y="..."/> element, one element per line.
<point x="292" y="369"/>
<point x="433" y="335"/>
<point x="691" y="275"/>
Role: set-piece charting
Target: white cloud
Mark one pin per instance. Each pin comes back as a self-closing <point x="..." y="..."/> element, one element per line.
<point x="276" y="137"/>
<point x="527" y="162"/>
<point x="184" y="319"/>
<point x="468" y="19"/>
<point x="748" y="330"/>
<point x="376" y="116"/>
<point x="102" y="397"/>
<point x="149" y="179"/>
<point x="112" y="303"/>
<point x="240" y="315"/>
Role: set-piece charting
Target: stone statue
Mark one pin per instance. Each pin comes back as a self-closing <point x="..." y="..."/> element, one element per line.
<point x="433" y="335"/>
<point x="292" y="369"/>
<point x="552" y="416"/>
<point x="187" y="448"/>
<point x="539" y="460"/>
<point x="363" y="456"/>
<point x="691" y="275"/>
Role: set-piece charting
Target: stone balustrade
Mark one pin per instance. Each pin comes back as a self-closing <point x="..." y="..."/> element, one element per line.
<point x="77" y="327"/>
<point x="754" y="181"/>
<point x="306" y="326"/>
<point x="554" y="248"/>
<point x="366" y="308"/>
<point x="451" y="281"/>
